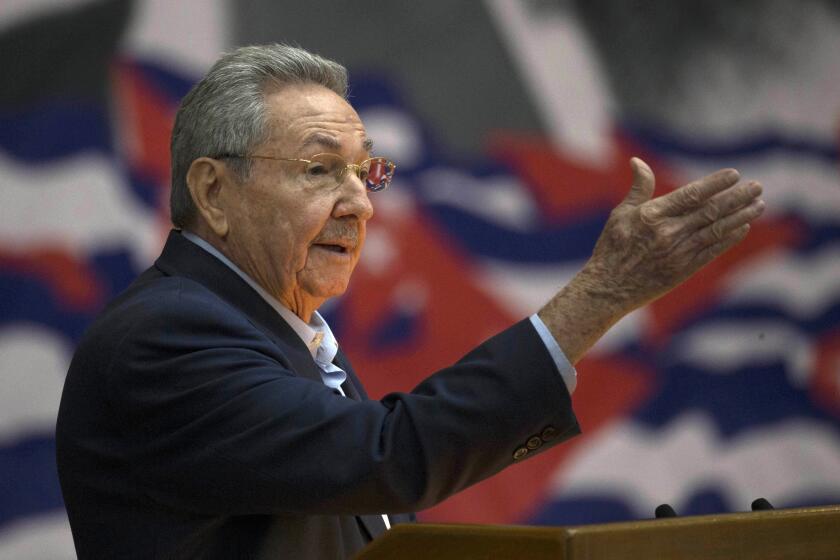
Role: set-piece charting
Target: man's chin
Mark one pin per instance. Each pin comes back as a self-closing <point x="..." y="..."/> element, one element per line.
<point x="325" y="290"/>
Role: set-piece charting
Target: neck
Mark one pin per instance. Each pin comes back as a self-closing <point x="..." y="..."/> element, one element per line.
<point x="299" y="307"/>
<point x="300" y="304"/>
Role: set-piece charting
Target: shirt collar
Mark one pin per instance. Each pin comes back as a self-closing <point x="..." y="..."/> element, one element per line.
<point x="316" y="335"/>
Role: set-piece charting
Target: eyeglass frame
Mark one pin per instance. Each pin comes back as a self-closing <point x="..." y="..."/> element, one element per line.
<point x="357" y="167"/>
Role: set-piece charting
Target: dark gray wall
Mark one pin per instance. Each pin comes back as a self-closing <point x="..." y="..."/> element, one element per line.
<point x="446" y="57"/>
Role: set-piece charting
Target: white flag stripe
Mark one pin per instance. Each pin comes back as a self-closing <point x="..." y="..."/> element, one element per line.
<point x="38" y="538"/>
<point x="34" y="361"/>
<point x="804" y="285"/>
<point x="80" y="203"/>
<point x="647" y="467"/>
<point x="727" y="346"/>
<point x="502" y="200"/>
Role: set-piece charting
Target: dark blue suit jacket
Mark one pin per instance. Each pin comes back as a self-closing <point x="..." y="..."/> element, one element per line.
<point x="194" y="424"/>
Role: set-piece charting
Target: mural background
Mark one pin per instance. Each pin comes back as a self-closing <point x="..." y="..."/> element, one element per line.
<point x="512" y="123"/>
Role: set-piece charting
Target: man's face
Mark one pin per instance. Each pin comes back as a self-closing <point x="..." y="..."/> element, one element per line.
<point x="301" y="243"/>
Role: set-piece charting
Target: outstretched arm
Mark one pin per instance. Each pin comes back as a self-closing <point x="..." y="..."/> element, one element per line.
<point x="649" y="246"/>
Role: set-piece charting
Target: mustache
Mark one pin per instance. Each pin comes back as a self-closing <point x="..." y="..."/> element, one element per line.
<point x="341" y="230"/>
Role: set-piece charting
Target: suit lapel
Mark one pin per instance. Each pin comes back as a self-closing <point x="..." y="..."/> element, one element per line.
<point x="182" y="257"/>
<point x="373" y="524"/>
<point x="352" y="386"/>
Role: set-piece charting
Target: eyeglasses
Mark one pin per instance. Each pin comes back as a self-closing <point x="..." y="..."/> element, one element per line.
<point x="329" y="170"/>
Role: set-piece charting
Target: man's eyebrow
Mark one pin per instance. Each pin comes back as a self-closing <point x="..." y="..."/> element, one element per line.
<point x="323" y="140"/>
<point x="332" y="142"/>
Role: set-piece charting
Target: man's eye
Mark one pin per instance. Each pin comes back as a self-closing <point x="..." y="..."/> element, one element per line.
<point x="316" y="169"/>
<point x="363" y="174"/>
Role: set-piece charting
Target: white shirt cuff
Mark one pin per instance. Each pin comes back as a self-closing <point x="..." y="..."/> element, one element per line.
<point x="566" y="369"/>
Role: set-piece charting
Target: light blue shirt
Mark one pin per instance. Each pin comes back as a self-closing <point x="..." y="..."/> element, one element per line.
<point x="566" y="369"/>
<point x="322" y="343"/>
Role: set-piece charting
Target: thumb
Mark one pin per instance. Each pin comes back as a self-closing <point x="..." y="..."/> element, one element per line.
<point x="643" y="183"/>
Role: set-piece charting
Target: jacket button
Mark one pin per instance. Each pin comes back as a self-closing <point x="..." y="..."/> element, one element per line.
<point x="534" y="443"/>
<point x="520" y="453"/>
<point x="549" y="433"/>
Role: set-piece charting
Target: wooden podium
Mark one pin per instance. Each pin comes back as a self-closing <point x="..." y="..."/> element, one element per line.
<point x="791" y="534"/>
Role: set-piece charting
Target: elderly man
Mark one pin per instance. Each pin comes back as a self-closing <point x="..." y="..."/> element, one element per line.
<point x="207" y="412"/>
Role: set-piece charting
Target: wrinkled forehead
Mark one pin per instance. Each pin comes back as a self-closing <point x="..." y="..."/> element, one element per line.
<point x="307" y="117"/>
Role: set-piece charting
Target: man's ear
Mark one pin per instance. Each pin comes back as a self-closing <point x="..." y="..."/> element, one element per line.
<point x="206" y="179"/>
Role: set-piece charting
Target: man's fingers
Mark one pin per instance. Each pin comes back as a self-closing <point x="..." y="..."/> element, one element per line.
<point x="722" y="204"/>
<point x="694" y="194"/>
<point x="644" y="183"/>
<point x="717" y="249"/>
<point x="721" y="229"/>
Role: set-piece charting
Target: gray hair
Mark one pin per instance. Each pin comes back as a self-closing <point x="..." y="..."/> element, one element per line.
<point x="224" y="113"/>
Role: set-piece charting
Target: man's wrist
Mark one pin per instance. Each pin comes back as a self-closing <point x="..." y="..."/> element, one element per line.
<point x="582" y="312"/>
<point x="605" y="288"/>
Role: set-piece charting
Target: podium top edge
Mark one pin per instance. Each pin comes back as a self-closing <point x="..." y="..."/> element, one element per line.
<point x="787" y="513"/>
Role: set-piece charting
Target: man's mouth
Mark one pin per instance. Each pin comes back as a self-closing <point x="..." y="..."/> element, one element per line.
<point x="333" y="247"/>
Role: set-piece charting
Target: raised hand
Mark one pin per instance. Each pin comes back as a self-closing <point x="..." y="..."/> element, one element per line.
<point x="649" y="246"/>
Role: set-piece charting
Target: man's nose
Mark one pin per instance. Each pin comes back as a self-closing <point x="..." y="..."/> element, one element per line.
<point x="353" y="198"/>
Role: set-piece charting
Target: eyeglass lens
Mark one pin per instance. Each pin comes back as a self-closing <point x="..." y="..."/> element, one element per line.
<point x="376" y="172"/>
<point x="379" y="174"/>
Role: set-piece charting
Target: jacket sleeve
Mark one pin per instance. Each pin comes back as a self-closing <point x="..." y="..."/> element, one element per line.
<point x="219" y="423"/>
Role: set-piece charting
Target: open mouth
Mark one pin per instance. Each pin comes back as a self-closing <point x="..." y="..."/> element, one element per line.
<point x="332" y="247"/>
